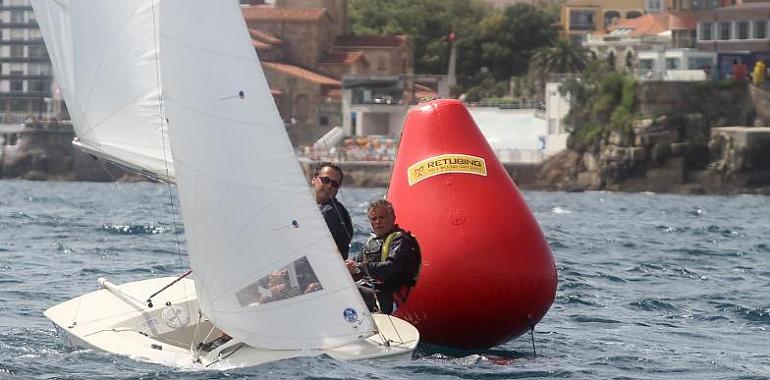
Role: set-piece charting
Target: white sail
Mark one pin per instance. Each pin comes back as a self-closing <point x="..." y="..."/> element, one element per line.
<point x="248" y="212"/>
<point x="104" y="55"/>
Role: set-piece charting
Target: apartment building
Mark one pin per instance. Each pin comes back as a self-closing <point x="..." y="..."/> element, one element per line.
<point x="25" y="69"/>
<point x="739" y="34"/>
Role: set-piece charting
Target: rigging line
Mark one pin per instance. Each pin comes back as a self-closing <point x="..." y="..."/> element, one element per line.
<point x="163" y="132"/>
<point x="532" y="334"/>
<point x="104" y="223"/>
<point x="376" y="300"/>
<point x="162" y="112"/>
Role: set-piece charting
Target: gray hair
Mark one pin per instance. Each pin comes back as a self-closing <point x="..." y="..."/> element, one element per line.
<point x="381" y="203"/>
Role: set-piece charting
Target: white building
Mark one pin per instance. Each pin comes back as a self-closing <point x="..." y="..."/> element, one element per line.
<point x="676" y="65"/>
<point x="557" y="106"/>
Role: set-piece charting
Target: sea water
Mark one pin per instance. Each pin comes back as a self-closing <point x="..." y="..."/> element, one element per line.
<point x="651" y="286"/>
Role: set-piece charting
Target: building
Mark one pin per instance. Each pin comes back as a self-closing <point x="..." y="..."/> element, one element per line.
<point x="306" y="50"/>
<point x="654" y="32"/>
<point x="582" y="17"/>
<point x="25" y="69"/>
<point x="738" y="34"/>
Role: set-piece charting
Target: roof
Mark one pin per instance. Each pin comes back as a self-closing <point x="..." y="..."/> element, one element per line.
<point x="421" y="91"/>
<point x="301" y="73"/>
<point x="655" y="23"/>
<point x="371" y="41"/>
<point x="346" y="57"/>
<point x="264" y="37"/>
<point x="259" y="45"/>
<point x="268" y="13"/>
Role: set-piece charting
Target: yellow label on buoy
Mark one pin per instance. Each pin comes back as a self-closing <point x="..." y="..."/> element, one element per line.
<point x="446" y="163"/>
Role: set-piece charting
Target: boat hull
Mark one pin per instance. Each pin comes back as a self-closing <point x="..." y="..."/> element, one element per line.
<point x="117" y="320"/>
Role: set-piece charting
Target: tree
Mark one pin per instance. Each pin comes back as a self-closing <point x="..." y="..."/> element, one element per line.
<point x="426" y="22"/>
<point x="562" y="57"/>
<point x="503" y="42"/>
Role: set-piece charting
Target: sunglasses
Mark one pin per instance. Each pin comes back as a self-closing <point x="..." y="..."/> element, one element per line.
<point x="327" y="180"/>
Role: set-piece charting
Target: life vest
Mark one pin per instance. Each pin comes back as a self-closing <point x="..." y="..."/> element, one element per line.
<point x="399" y="296"/>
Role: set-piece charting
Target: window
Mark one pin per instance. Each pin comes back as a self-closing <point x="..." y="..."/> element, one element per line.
<point x="293" y="280"/>
<point x="382" y="63"/>
<point x="17" y="16"/>
<point x="323" y="120"/>
<point x="760" y="30"/>
<point x="672" y="63"/>
<point x="653" y="5"/>
<point x="581" y="20"/>
<point x="17" y="85"/>
<point x="742" y="30"/>
<point x="646" y="64"/>
<point x="633" y="14"/>
<point x="37" y="51"/>
<point x="706" y="31"/>
<point x="610" y="17"/>
<point x="724" y="30"/>
<point x="699" y="63"/>
<point x="38" y="85"/>
<point x="17" y="51"/>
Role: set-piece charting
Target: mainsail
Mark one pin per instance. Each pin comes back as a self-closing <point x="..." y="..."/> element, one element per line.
<point x="105" y="59"/>
<point x="267" y="271"/>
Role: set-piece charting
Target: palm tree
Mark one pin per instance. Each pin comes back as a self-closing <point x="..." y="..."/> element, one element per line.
<point x="561" y="58"/>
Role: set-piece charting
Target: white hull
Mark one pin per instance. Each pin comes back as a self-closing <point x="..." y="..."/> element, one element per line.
<point x="117" y="320"/>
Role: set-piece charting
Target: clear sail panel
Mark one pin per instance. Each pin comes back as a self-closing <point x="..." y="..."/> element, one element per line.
<point x="293" y="280"/>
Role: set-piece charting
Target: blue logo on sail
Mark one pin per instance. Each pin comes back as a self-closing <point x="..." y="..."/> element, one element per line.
<point x="350" y="315"/>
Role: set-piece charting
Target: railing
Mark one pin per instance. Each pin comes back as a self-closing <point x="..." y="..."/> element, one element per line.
<point x="361" y="154"/>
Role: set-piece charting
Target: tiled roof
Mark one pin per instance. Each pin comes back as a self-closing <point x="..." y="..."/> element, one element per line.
<point x="301" y="73"/>
<point x="371" y="41"/>
<point x="346" y="57"/>
<point x="259" y="45"/>
<point x="421" y="91"/>
<point x="683" y="20"/>
<point x="657" y="23"/>
<point x="267" y="13"/>
<point x="264" y="37"/>
<point x="647" y="25"/>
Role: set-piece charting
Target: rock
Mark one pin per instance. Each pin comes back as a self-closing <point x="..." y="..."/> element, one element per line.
<point x="590" y="181"/>
<point x="620" y="138"/>
<point x="659" y="152"/>
<point x="589" y="162"/>
<point x="642" y="126"/>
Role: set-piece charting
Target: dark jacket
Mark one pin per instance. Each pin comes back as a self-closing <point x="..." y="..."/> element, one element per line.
<point x="399" y="270"/>
<point x="340" y="225"/>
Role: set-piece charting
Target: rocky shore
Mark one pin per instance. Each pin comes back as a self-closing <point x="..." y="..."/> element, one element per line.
<point x="690" y="141"/>
<point x="717" y="146"/>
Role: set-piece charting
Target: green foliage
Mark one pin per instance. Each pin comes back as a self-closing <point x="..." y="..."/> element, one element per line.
<point x="603" y="100"/>
<point x="498" y="41"/>
<point x="426" y="22"/>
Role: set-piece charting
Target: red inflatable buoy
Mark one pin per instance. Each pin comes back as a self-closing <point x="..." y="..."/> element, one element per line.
<point x="487" y="273"/>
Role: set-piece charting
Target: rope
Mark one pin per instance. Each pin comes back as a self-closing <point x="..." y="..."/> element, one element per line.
<point x="162" y="118"/>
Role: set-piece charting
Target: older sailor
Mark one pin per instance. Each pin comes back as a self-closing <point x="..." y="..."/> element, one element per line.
<point x="389" y="262"/>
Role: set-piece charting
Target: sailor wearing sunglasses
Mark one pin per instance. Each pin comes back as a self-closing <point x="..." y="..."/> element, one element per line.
<point x="327" y="179"/>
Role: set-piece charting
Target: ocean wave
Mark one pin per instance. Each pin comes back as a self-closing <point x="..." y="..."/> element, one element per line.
<point x="134" y="229"/>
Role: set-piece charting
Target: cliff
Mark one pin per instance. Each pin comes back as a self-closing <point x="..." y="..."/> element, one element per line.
<point x="690" y="139"/>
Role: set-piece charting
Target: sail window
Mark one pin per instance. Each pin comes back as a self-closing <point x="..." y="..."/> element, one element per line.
<point x="293" y="280"/>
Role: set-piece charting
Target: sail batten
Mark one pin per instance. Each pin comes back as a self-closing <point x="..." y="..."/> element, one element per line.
<point x="267" y="269"/>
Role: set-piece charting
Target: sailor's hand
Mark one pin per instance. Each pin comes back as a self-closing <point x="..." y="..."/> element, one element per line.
<point x="352" y="267"/>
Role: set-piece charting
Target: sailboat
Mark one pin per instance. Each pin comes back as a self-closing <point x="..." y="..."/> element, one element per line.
<point x="266" y="280"/>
